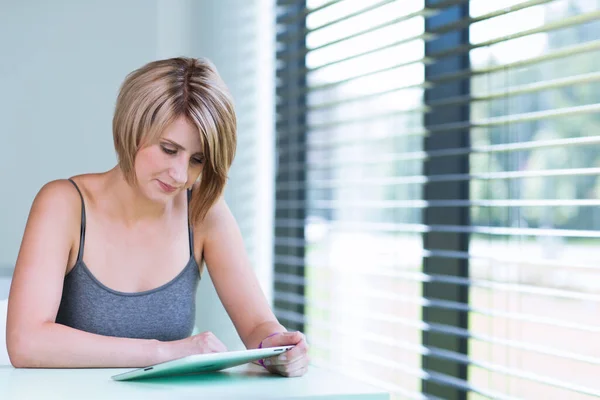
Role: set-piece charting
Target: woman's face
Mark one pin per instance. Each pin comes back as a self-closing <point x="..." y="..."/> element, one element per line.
<point x="173" y="164"/>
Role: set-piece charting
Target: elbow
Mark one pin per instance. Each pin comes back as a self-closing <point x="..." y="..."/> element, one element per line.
<point x="20" y="351"/>
<point x="17" y="356"/>
<point x="18" y="362"/>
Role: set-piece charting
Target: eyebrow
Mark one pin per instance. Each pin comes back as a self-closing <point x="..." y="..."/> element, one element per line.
<point x="181" y="147"/>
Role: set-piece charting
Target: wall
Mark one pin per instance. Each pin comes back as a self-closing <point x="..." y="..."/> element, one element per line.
<point x="60" y="70"/>
<point x="59" y="74"/>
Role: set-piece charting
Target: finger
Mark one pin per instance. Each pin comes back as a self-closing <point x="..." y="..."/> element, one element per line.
<point x="297" y="373"/>
<point x="217" y="345"/>
<point x="220" y="345"/>
<point x="212" y="344"/>
<point x="297" y="370"/>
<point x="298" y="351"/>
<point x="293" y="370"/>
<point x="283" y="339"/>
<point x="288" y="367"/>
<point x="295" y="365"/>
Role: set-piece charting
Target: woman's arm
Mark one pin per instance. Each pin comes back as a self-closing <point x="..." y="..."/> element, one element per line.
<point x="33" y="338"/>
<point x="241" y="295"/>
<point x="234" y="280"/>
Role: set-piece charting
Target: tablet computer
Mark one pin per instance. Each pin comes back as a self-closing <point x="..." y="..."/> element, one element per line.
<point x="201" y="363"/>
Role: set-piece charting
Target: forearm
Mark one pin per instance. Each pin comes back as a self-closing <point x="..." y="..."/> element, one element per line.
<point x="54" y="345"/>
<point x="261" y="332"/>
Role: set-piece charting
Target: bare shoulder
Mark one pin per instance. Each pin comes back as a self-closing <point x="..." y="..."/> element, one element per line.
<point x="57" y="204"/>
<point x="218" y="224"/>
<point x="218" y="216"/>
<point x="59" y="197"/>
<point x="51" y="228"/>
<point x="216" y="213"/>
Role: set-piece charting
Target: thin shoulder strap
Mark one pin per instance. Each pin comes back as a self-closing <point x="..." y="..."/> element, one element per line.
<point x="82" y="232"/>
<point x="190" y="229"/>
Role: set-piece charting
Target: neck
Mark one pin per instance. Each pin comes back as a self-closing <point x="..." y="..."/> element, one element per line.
<point x="131" y="205"/>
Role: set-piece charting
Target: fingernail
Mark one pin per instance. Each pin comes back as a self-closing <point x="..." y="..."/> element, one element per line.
<point x="267" y="362"/>
<point x="282" y="357"/>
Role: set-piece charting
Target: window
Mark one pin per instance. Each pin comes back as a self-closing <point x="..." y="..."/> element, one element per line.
<point x="437" y="216"/>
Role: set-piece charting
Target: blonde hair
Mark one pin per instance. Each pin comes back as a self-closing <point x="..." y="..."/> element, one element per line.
<point x="154" y="96"/>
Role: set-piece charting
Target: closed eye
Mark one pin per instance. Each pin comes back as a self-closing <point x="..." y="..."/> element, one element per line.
<point x="198" y="159"/>
<point x="168" y="150"/>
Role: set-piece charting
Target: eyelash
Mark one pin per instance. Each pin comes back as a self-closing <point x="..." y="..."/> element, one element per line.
<point x="168" y="151"/>
<point x="173" y="152"/>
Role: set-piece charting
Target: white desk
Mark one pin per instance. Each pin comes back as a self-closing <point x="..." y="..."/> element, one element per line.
<point x="244" y="382"/>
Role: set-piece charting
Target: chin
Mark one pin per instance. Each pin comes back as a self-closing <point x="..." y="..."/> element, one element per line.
<point x="161" y="198"/>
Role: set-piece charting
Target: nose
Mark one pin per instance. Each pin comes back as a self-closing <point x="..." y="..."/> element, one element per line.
<point x="178" y="171"/>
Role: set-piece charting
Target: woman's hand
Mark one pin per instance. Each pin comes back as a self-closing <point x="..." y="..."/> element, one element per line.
<point x="293" y="362"/>
<point x="202" y="343"/>
<point x="205" y="342"/>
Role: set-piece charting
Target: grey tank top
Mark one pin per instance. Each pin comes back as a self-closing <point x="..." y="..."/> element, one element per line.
<point x="165" y="313"/>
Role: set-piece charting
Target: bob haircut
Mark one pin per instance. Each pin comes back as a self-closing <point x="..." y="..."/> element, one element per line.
<point x="158" y="93"/>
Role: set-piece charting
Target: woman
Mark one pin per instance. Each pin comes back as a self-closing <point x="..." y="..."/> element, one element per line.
<point x="99" y="279"/>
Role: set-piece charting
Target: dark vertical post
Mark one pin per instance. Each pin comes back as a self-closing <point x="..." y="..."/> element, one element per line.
<point x="450" y="190"/>
<point x="291" y="137"/>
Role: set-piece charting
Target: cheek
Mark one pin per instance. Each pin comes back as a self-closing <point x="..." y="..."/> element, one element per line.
<point x="148" y="162"/>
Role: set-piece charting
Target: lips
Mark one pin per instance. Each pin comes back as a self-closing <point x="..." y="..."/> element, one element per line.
<point x="166" y="188"/>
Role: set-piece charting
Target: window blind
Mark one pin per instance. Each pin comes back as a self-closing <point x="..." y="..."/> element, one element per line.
<point x="534" y="107"/>
<point x="437" y="193"/>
